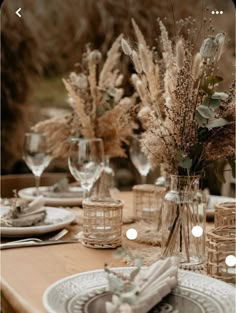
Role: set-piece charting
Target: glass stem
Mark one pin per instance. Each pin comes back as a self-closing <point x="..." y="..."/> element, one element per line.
<point x="86" y="193"/>
<point x="143" y="179"/>
<point x="37" y="184"/>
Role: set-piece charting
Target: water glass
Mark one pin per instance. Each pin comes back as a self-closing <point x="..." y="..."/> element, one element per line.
<point x="36" y="155"/>
<point x="138" y="158"/>
<point x="86" y="161"/>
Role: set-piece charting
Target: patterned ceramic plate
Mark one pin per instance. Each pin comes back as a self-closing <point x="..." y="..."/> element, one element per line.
<point x="195" y="293"/>
<point x="56" y="218"/>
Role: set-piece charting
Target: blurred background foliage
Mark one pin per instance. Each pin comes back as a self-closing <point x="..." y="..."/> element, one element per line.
<point x="48" y="41"/>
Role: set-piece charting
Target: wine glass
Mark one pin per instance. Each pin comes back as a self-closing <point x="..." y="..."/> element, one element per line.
<point x="86" y="161"/>
<point x="36" y="155"/>
<point x="138" y="158"/>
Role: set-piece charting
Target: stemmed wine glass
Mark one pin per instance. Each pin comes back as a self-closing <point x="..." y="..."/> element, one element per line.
<point x="86" y="161"/>
<point x="138" y="158"/>
<point x="36" y="155"/>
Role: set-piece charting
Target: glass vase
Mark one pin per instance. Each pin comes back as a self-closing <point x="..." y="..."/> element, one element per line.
<point x="184" y="220"/>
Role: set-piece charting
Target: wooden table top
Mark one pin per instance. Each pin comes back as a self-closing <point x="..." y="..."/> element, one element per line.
<point x="27" y="272"/>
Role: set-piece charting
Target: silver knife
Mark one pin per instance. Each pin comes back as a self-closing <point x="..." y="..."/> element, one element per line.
<point x="10" y="245"/>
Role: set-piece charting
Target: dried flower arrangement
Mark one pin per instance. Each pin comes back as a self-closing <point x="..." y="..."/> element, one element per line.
<point x="99" y="108"/>
<point x="188" y="123"/>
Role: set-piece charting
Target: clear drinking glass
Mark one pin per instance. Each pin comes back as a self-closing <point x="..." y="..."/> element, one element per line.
<point x="86" y="161"/>
<point x="138" y="158"/>
<point x="36" y="155"/>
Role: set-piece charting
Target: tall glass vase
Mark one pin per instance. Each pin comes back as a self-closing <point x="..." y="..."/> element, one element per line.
<point x="183" y="221"/>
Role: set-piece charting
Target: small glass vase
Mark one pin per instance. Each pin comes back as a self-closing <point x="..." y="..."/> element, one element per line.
<point x="184" y="221"/>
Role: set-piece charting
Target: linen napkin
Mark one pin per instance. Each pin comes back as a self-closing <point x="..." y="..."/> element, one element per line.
<point x="25" y="214"/>
<point x="152" y="286"/>
<point x="62" y="189"/>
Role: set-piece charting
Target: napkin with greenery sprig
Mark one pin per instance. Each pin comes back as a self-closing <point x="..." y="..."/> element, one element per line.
<point x="23" y="214"/>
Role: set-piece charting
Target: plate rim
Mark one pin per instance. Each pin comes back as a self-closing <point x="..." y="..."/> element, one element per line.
<point x="59" y="281"/>
<point x="50" y="201"/>
<point x="42" y="229"/>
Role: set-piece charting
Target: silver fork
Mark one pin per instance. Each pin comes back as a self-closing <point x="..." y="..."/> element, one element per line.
<point x="58" y="236"/>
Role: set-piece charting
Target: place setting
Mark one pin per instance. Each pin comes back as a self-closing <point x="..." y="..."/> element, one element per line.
<point x="37" y="158"/>
<point x="27" y="219"/>
<point x="158" y="288"/>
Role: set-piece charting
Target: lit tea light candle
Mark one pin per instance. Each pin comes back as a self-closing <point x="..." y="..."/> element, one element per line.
<point x="131" y="234"/>
<point x="197" y="231"/>
<point x="149" y="210"/>
<point x="146" y="212"/>
<point x="103" y="228"/>
<point x="230" y="260"/>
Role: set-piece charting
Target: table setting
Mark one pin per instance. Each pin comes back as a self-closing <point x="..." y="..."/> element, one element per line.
<point x="162" y="247"/>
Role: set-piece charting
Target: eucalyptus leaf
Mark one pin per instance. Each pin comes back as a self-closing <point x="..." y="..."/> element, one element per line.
<point x="201" y="120"/>
<point x="119" y="253"/>
<point x="219" y="122"/>
<point x="205" y="111"/>
<point x="186" y="163"/>
<point x="214" y="104"/>
<point x="206" y="89"/>
<point x="213" y="80"/>
<point x="61" y="185"/>
<point x="206" y="101"/>
<point x="180" y="156"/>
<point x="220" y="96"/>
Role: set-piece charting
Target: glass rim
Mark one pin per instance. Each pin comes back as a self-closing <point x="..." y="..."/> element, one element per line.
<point x="85" y="139"/>
<point x="185" y="176"/>
<point x="35" y="133"/>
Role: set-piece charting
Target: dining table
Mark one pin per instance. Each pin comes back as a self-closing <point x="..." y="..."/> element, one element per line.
<point x="27" y="272"/>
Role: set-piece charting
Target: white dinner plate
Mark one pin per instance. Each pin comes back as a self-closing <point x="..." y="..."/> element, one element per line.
<point x="194" y="293"/>
<point x="54" y="200"/>
<point x="56" y="219"/>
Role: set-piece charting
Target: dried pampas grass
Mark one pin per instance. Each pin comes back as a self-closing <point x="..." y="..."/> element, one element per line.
<point x="99" y="108"/>
<point x="187" y="121"/>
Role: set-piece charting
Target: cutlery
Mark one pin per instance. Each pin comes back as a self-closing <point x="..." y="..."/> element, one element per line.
<point x="32" y="243"/>
<point x="59" y="235"/>
<point x="28" y="242"/>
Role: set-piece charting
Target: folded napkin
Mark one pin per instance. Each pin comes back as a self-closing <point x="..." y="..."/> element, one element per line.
<point x="61" y="186"/>
<point x="151" y="286"/>
<point x="62" y="189"/>
<point x="25" y="214"/>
